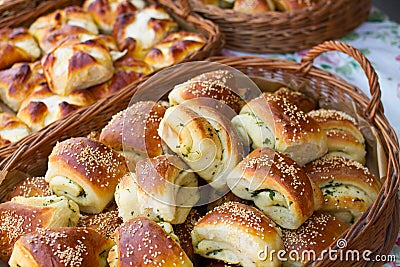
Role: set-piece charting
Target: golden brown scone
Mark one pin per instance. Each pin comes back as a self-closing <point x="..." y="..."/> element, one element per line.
<point x="85" y="171"/>
<point x="343" y="135"/>
<point x="133" y="131"/>
<point x="105" y="12"/>
<point x="141" y="242"/>
<point x="219" y="85"/>
<point x="290" y="5"/>
<point x="162" y="189"/>
<point x="77" y="66"/>
<point x="174" y="48"/>
<point x="18" y="82"/>
<point x="273" y="121"/>
<point x="183" y="232"/>
<point x="303" y="102"/>
<point x="43" y="107"/>
<point x="349" y="188"/>
<point x="204" y="138"/>
<point x="228" y="197"/>
<point x="17" y="45"/>
<point x="236" y="233"/>
<point x="24" y="215"/>
<point x="60" y="247"/>
<point x="276" y="184"/>
<point x="104" y="223"/>
<point x="126" y="71"/>
<point x="30" y="187"/>
<point x="12" y="128"/>
<point x="316" y="234"/>
<point x="139" y="31"/>
<point x="253" y="6"/>
<point x="72" y="16"/>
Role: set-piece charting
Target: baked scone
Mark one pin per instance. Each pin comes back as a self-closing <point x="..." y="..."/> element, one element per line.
<point x="204" y="138"/>
<point x="77" y="66"/>
<point x="236" y="233"/>
<point x="174" y="48"/>
<point x="60" y="247"/>
<point x="162" y="189"/>
<point x="183" y="232"/>
<point x="17" y="45"/>
<point x="253" y="6"/>
<point x="126" y="71"/>
<point x="105" y="12"/>
<point x="219" y="85"/>
<point x="30" y="187"/>
<point x="24" y="215"/>
<point x="315" y="235"/>
<point x="276" y="184"/>
<point x="303" y="102"/>
<point x="343" y="135"/>
<point x="12" y="128"/>
<point x="71" y="16"/>
<point x="85" y="171"/>
<point x="349" y="188"/>
<point x="139" y="31"/>
<point x="141" y="242"/>
<point x="290" y="5"/>
<point x="43" y="107"/>
<point x="133" y="131"/>
<point x="273" y="121"/>
<point x="228" y="197"/>
<point x="18" y="82"/>
<point x="104" y="223"/>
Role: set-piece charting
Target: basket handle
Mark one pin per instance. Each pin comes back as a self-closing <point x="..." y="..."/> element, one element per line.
<point x="180" y="7"/>
<point x="375" y="103"/>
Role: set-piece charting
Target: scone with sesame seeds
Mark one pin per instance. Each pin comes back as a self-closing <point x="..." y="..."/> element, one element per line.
<point x="274" y="121"/>
<point x="141" y="242"/>
<point x="24" y="215"/>
<point x="348" y="187"/>
<point x="237" y="234"/>
<point x="85" y="171"/>
<point x="162" y="189"/>
<point x="343" y="135"/>
<point x="277" y="185"/>
<point x="30" y="187"/>
<point x="315" y="235"/>
<point x="61" y="247"/>
<point x="133" y="131"/>
<point x="105" y="222"/>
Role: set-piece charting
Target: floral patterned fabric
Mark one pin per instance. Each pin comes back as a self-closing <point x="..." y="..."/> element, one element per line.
<point x="379" y="39"/>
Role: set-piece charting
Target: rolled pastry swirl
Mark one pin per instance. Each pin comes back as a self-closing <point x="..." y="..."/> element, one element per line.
<point x="24" y="215"/>
<point x="237" y="234"/>
<point x="273" y="121"/>
<point x="66" y="246"/>
<point x="163" y="189"/>
<point x="85" y="171"/>
<point x="349" y="188"/>
<point x="276" y="184"/>
<point x="204" y="138"/>
<point x="343" y="135"/>
<point x="142" y="242"/>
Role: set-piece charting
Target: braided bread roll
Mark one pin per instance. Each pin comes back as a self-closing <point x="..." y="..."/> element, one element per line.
<point x="348" y="188"/>
<point x="85" y="171"/>
<point x="236" y="234"/>
<point x="163" y="189"/>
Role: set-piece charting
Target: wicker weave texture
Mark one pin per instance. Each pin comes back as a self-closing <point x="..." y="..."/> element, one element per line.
<point x="376" y="230"/>
<point x="276" y="32"/>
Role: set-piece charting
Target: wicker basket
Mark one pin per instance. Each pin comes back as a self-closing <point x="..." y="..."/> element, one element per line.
<point x="376" y="230"/>
<point x="23" y="13"/>
<point x="277" y="32"/>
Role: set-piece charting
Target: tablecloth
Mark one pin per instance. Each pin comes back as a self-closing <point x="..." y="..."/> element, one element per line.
<point x="379" y="39"/>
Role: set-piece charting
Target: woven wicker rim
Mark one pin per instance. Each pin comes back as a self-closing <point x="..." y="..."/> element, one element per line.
<point x="20" y="13"/>
<point x="366" y="233"/>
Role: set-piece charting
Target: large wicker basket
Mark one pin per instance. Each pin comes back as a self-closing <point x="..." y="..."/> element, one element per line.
<point x="276" y="32"/>
<point x="23" y="13"/>
<point x="376" y="230"/>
